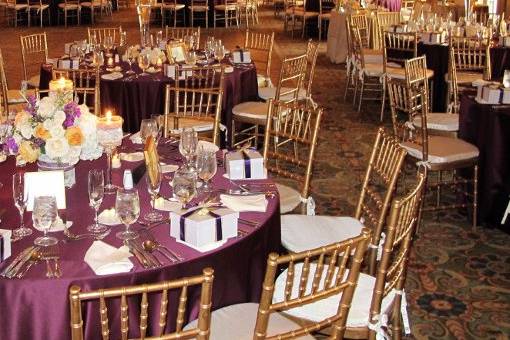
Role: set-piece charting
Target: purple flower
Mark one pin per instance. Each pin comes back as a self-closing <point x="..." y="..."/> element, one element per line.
<point x="72" y="112"/>
<point x="31" y="105"/>
<point x="11" y="145"/>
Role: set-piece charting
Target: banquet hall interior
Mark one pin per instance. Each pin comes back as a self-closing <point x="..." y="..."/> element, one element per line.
<point x="357" y="184"/>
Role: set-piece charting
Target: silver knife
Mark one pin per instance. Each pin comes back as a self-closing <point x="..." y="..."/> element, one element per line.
<point x="16" y="260"/>
<point x="152" y="261"/>
<point x="21" y="263"/>
<point x="143" y="261"/>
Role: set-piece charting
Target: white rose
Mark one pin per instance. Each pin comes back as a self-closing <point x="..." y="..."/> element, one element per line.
<point x="84" y="109"/>
<point x="26" y="130"/>
<point x="56" y="131"/>
<point x="87" y="123"/>
<point x="46" y="107"/>
<point x="56" y="148"/>
<point x="59" y="117"/>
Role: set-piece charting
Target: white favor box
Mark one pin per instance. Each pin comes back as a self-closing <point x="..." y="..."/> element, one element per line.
<point x="69" y="63"/>
<point x="506" y="96"/>
<point x="506" y="41"/>
<point x="235" y="165"/>
<point x="431" y="38"/>
<point x="490" y="94"/>
<point x="241" y="56"/>
<point x="200" y="227"/>
<point x="5" y="244"/>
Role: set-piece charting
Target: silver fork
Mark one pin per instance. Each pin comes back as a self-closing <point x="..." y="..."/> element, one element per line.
<point x="52" y="257"/>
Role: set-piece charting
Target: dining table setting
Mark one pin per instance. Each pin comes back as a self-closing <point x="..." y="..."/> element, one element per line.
<point x="163" y="220"/>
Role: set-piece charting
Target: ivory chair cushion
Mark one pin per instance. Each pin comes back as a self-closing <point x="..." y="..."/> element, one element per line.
<point x="34" y="81"/>
<point x="197" y="124"/>
<point x="15" y="97"/>
<point x="440" y="121"/>
<point x="237" y="322"/>
<point x="90" y="4"/>
<point x="267" y="93"/>
<point x="198" y="8"/>
<point x="467" y="77"/>
<point x="360" y="305"/>
<point x="302" y="232"/>
<point x="289" y="198"/>
<point x="373" y="56"/>
<point x="68" y="6"/>
<point x="400" y="72"/>
<point x="225" y="7"/>
<point x="173" y="6"/>
<point x="373" y="70"/>
<point x="443" y="150"/>
<point x="253" y="110"/>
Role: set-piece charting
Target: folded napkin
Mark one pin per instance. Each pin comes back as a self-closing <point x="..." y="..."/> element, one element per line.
<point x="132" y="157"/>
<point x="229" y="69"/>
<point x="108" y="217"/>
<point x="135" y="138"/>
<point x="112" y="76"/>
<point x="58" y="225"/>
<point x="105" y="259"/>
<point x="208" y="146"/>
<point x="166" y="205"/>
<point x="245" y="203"/>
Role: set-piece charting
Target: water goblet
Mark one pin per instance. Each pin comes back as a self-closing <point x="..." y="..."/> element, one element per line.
<point x="108" y="45"/>
<point x="127" y="208"/>
<point x="44" y="215"/>
<point x="20" y="200"/>
<point x="96" y="194"/>
<point x="143" y="63"/>
<point x="219" y="52"/>
<point x="159" y="125"/>
<point x="188" y="145"/>
<point x="206" y="166"/>
<point x="153" y="185"/>
<point x="190" y="58"/>
<point x="148" y="127"/>
<point x="123" y="38"/>
<point x="184" y="186"/>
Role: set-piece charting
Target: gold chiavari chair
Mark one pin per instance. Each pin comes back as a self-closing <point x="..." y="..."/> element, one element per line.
<point x="324" y="14"/>
<point x="70" y="9"/>
<point x="13" y="8"/>
<point x="441" y="154"/>
<point x="34" y="51"/>
<point x="420" y="8"/>
<point x="301" y="14"/>
<point x="437" y="123"/>
<point x="86" y="86"/>
<point x="172" y="6"/>
<point x="249" y="9"/>
<point x="195" y="101"/>
<point x="230" y="11"/>
<point x="290" y="81"/>
<point x="305" y="92"/>
<point x="406" y="10"/>
<point x="102" y="33"/>
<point x="148" y="292"/>
<point x="200" y="7"/>
<point x="311" y="276"/>
<point x="178" y="33"/>
<point x="471" y="58"/>
<point x="39" y="7"/>
<point x="385" y="20"/>
<point x="8" y="97"/>
<point x="290" y="143"/>
<point x="300" y="232"/>
<point x="376" y="298"/>
<point x="261" y="51"/>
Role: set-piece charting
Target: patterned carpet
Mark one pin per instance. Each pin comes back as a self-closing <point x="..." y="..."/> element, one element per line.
<point x="458" y="285"/>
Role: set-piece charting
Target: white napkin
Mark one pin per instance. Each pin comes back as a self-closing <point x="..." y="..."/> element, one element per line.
<point x="105" y="259"/>
<point x="480" y="82"/>
<point x="166" y="205"/>
<point x="108" y="217"/>
<point x="229" y="69"/>
<point x="112" y="76"/>
<point x="208" y="146"/>
<point x="166" y="168"/>
<point x="58" y="225"/>
<point x="245" y="203"/>
<point x="135" y="138"/>
<point x="132" y="157"/>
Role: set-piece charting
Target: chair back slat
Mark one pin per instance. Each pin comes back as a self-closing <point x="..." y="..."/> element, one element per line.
<point x="101" y="33"/>
<point x="313" y="271"/>
<point x="261" y="50"/>
<point x="471" y="54"/>
<point x="86" y="86"/>
<point x="399" y="47"/>
<point x="385" y="20"/>
<point x="291" y="78"/>
<point x="290" y="142"/>
<point x="201" y="332"/>
<point x="312" y="51"/>
<point x="4" y="99"/>
<point x="362" y="23"/>
<point x="178" y="33"/>
<point x="34" y="51"/>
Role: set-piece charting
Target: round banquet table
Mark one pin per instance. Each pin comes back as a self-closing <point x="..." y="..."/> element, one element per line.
<point x="137" y="98"/>
<point x="35" y="307"/>
<point x="488" y="127"/>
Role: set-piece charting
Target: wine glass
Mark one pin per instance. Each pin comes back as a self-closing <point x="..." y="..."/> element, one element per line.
<point x="157" y="119"/>
<point x="130" y="59"/>
<point x="20" y="200"/>
<point x="153" y="185"/>
<point x="206" y="166"/>
<point x="148" y="127"/>
<point x="159" y="38"/>
<point x="43" y="216"/>
<point x="188" y="145"/>
<point x="127" y="207"/>
<point x="219" y="52"/>
<point x="143" y="63"/>
<point x="190" y="58"/>
<point x="96" y="194"/>
<point x="123" y="38"/>
<point x="108" y="45"/>
<point x="184" y="186"/>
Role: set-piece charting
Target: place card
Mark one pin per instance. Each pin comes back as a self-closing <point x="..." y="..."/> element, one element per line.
<point x="45" y="183"/>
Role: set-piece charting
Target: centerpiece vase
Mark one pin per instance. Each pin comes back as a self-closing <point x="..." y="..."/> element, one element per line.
<point x="47" y="164"/>
<point x="143" y="9"/>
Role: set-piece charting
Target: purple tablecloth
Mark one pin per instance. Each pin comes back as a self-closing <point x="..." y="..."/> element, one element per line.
<point x="142" y="97"/>
<point x="488" y="127"/>
<point x="37" y="308"/>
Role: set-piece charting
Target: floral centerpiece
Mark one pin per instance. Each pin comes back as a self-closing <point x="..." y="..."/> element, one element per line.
<point x="54" y="130"/>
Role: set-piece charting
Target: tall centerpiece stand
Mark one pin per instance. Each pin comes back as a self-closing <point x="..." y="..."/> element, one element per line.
<point x="143" y="9"/>
<point x="109" y="136"/>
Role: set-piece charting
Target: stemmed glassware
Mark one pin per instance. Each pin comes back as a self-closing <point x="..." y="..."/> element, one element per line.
<point x="143" y="63"/>
<point x="153" y="186"/>
<point x="20" y="200"/>
<point x="130" y="59"/>
<point x="190" y="58"/>
<point x="4" y="130"/>
<point x="188" y="145"/>
<point x="96" y="194"/>
<point x="206" y="166"/>
<point x="184" y="186"/>
<point x="149" y="127"/>
<point x="43" y="216"/>
<point x="108" y="45"/>
<point x="127" y="207"/>
<point x="157" y="119"/>
<point x="123" y="38"/>
<point x="219" y="52"/>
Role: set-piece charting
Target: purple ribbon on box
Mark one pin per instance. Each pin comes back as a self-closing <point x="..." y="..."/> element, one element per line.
<point x="1" y="247"/>
<point x="182" y="222"/>
<point x="247" y="164"/>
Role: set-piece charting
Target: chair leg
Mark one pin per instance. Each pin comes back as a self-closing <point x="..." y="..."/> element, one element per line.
<point x="383" y="99"/>
<point x="475" y="196"/>
<point x="361" y="94"/>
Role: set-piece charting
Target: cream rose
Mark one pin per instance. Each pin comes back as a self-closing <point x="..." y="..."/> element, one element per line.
<point x="56" y="148"/>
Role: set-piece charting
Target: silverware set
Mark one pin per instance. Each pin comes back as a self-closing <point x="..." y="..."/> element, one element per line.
<point x="30" y="257"/>
<point x="145" y="252"/>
